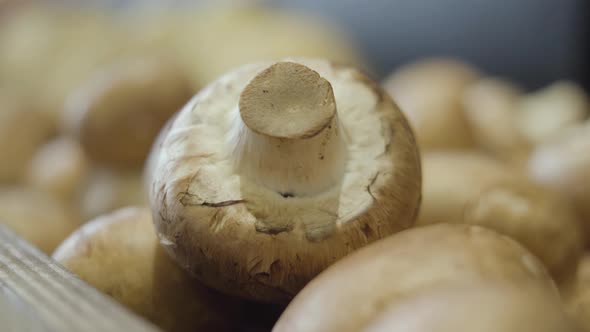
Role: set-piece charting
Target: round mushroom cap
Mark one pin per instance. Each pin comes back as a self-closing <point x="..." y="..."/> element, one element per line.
<point x="491" y="108"/>
<point x="251" y="240"/>
<point x="476" y="308"/>
<point x="576" y="294"/>
<point x="563" y="164"/>
<point x="473" y="189"/>
<point x="117" y="114"/>
<point x="22" y="131"/>
<point x="358" y="289"/>
<point x="430" y="93"/>
<point x="547" y="112"/>
<point x="60" y="168"/>
<point x="105" y="191"/>
<point x="120" y="255"/>
<point x="36" y="216"/>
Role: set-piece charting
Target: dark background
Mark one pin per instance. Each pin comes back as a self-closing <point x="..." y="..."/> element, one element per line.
<point x="534" y="42"/>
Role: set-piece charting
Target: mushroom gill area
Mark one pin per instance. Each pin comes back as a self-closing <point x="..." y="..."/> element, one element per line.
<point x="319" y="169"/>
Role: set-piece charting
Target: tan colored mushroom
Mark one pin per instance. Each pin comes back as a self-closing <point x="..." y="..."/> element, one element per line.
<point x="576" y="293"/>
<point x="106" y="190"/>
<point x="36" y="216"/>
<point x="60" y="168"/>
<point x="443" y="262"/>
<point x="276" y="170"/>
<point x="120" y="255"/>
<point x="118" y="113"/>
<point x="491" y="108"/>
<point x="429" y="92"/>
<point x="563" y="163"/>
<point x="22" y="130"/>
<point x="474" y="189"/>
<point x="545" y="113"/>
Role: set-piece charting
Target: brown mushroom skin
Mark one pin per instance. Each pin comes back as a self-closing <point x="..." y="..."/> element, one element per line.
<point x="356" y="290"/>
<point x="22" y="130"/>
<point x="120" y="255"/>
<point x="429" y="92"/>
<point x="59" y="167"/>
<point x="576" y="293"/>
<point x="245" y="240"/>
<point x="36" y="216"/>
<point x="117" y="115"/>
<point x="474" y="189"/>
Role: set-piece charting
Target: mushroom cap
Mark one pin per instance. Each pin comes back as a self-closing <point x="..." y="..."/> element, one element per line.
<point x="119" y="254"/>
<point x="22" y="130"/>
<point x="106" y="190"/>
<point x="473" y="189"/>
<point x="59" y="167"/>
<point x="36" y="216"/>
<point x="429" y="92"/>
<point x="476" y="308"/>
<point x="563" y="163"/>
<point x="356" y="290"/>
<point x="245" y="239"/>
<point x="117" y="115"/>
<point x="547" y="112"/>
<point x="576" y="295"/>
<point x="491" y="108"/>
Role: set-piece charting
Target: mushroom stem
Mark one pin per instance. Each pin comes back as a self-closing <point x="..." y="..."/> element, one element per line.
<point x="288" y="137"/>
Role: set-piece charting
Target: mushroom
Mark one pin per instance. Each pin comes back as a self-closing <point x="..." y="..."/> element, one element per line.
<point x="491" y="106"/>
<point x="22" y="130"/>
<point x="276" y="170"/>
<point x="119" y="112"/>
<point x="60" y="168"/>
<point x="563" y="164"/>
<point x="576" y="293"/>
<point x="119" y="254"/>
<point x="105" y="190"/>
<point x="474" y="189"/>
<point x="547" y="112"/>
<point x="36" y="216"/>
<point x="429" y="92"/>
<point x="443" y="262"/>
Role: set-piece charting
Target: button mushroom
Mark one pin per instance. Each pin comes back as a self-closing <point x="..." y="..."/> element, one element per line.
<point x="491" y="108"/>
<point x="473" y="189"/>
<point x="563" y="163"/>
<point x="276" y="170"/>
<point x="59" y="167"/>
<point x="545" y="113"/>
<point x="419" y="275"/>
<point x="117" y="114"/>
<point x="120" y="255"/>
<point x="576" y="293"/>
<point x="22" y="130"/>
<point x="429" y="92"/>
<point x="37" y="217"/>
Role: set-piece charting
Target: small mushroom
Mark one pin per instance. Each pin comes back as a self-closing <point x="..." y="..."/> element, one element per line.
<point x="105" y="190"/>
<point x="36" y="216"/>
<point x="60" y="168"/>
<point x="22" y="130"/>
<point x="117" y="115"/>
<point x="424" y="264"/>
<point x="120" y="255"/>
<point x="563" y="164"/>
<point x="276" y="170"/>
<point x="474" y="189"/>
<point x="491" y="107"/>
<point x="429" y="92"/>
<point x="545" y="113"/>
<point x="576" y="294"/>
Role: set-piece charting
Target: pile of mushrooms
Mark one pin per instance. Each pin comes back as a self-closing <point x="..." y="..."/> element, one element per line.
<point x="293" y="194"/>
